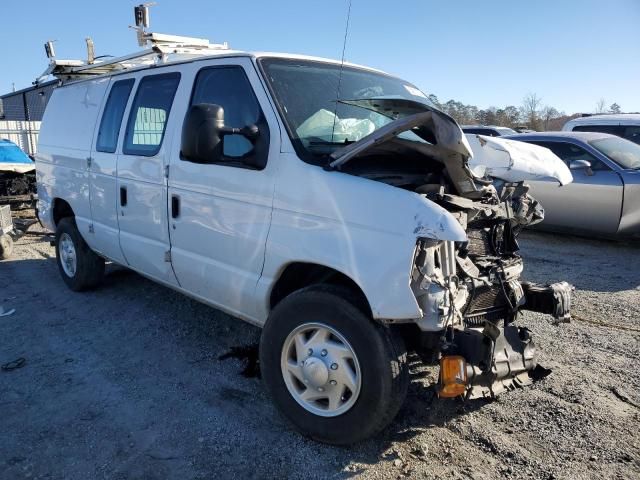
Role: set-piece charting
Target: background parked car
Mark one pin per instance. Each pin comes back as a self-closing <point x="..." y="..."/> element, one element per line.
<point x="625" y="125"/>
<point x="17" y="171"/>
<point x="604" y="197"/>
<point x="488" y="130"/>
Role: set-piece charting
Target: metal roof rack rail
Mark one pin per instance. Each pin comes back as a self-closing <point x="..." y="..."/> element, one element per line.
<point x="159" y="47"/>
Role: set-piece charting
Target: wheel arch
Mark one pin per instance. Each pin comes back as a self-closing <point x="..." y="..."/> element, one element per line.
<point x="298" y="275"/>
<point x="61" y="209"/>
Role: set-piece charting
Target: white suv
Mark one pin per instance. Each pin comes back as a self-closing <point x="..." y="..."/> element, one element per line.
<point x="625" y="125"/>
<point x="351" y="231"/>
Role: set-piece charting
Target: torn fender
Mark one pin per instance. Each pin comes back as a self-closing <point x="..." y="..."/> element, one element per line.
<point x="437" y="223"/>
<point x="515" y="161"/>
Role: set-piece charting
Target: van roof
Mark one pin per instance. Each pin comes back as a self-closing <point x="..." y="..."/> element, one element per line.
<point x="149" y="59"/>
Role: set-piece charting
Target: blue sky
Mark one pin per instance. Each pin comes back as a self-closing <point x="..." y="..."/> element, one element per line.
<point x="491" y="53"/>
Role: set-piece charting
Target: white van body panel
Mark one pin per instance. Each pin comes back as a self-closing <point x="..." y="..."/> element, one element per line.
<point x="104" y="194"/>
<point x="238" y="229"/>
<point x="143" y="221"/>
<point x="362" y="228"/>
<point x="218" y="240"/>
<point x="64" y="146"/>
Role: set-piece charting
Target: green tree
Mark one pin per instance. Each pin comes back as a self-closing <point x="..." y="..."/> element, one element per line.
<point x="615" y="108"/>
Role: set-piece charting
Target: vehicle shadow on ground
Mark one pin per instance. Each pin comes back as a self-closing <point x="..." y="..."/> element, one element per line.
<point x="209" y="346"/>
<point x="422" y="409"/>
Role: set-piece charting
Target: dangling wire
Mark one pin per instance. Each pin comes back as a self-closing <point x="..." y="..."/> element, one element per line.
<point x="344" y="46"/>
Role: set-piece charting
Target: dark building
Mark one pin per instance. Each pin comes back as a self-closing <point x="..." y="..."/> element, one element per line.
<point x="26" y="104"/>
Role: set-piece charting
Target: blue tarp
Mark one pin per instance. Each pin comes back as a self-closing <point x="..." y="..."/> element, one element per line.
<point x="11" y="153"/>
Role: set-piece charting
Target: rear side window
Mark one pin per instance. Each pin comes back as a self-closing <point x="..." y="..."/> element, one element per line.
<point x="229" y="87"/>
<point x="112" y="116"/>
<point x="149" y="114"/>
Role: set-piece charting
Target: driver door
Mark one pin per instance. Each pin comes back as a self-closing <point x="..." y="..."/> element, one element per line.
<point x="220" y="213"/>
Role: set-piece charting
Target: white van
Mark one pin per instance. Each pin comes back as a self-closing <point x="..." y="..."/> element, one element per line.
<point x="351" y="231"/>
<point x="625" y="125"/>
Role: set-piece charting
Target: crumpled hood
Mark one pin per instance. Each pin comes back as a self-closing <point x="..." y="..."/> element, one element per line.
<point x="465" y="156"/>
<point x="428" y="123"/>
<point x="515" y="161"/>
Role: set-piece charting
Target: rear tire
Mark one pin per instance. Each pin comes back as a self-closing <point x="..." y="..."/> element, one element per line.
<point x="80" y="267"/>
<point x="6" y="246"/>
<point x="379" y="366"/>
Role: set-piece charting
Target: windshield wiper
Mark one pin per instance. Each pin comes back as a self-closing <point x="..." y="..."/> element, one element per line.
<point x="320" y="142"/>
<point x="325" y="147"/>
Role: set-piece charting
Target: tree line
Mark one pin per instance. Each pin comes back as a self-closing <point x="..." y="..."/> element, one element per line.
<point x="532" y="113"/>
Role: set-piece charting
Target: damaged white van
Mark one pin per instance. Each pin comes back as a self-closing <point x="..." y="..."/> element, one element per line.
<point x="351" y="231"/>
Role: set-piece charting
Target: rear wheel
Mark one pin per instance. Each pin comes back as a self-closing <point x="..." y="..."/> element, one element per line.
<point x="6" y="246"/>
<point x="80" y="267"/>
<point x="338" y="376"/>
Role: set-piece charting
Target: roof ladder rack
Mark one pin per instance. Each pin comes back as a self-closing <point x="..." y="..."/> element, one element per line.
<point x="159" y="47"/>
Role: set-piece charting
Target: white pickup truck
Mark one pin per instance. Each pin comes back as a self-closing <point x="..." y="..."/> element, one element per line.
<point x="351" y="231"/>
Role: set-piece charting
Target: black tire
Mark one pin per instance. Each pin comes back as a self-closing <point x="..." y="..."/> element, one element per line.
<point x="89" y="266"/>
<point x="6" y="246"/>
<point x="381" y="354"/>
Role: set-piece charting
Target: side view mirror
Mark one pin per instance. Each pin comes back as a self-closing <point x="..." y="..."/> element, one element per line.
<point x="581" y="165"/>
<point x="203" y="132"/>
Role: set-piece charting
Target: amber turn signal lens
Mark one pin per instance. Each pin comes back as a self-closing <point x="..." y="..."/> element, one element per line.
<point x="453" y="376"/>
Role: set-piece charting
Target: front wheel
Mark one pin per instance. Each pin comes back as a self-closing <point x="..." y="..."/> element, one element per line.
<point x="338" y="376"/>
<point x="80" y="267"/>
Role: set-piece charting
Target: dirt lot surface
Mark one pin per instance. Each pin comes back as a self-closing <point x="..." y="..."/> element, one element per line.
<point x="126" y="382"/>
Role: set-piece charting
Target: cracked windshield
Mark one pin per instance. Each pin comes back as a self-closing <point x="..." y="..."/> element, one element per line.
<point x="307" y="92"/>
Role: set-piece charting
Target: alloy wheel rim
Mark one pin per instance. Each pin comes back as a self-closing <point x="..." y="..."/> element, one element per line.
<point x="68" y="258"/>
<point x="321" y="370"/>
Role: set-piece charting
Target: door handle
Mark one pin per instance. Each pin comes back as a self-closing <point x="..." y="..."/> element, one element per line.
<point x="175" y="206"/>
<point x="123" y="196"/>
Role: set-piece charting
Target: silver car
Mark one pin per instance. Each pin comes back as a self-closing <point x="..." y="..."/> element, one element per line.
<point x="604" y="197"/>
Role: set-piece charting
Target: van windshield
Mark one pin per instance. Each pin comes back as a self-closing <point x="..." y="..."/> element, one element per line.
<point x="307" y="92"/>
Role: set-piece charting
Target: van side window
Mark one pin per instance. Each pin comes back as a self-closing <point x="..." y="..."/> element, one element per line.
<point x="112" y="116"/>
<point x="149" y="114"/>
<point x="229" y="87"/>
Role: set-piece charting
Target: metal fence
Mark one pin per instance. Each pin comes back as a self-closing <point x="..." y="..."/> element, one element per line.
<point x="23" y="134"/>
<point x="27" y="104"/>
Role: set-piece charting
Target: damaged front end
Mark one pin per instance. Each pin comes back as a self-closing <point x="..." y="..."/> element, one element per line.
<point x="469" y="292"/>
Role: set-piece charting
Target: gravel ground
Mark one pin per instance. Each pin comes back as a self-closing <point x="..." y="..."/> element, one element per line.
<point x="126" y="382"/>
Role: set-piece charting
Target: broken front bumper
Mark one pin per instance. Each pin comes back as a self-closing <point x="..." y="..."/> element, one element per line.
<point x="499" y="359"/>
